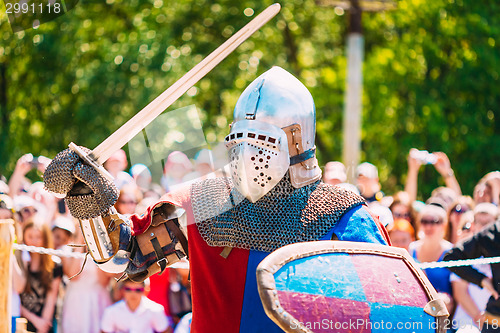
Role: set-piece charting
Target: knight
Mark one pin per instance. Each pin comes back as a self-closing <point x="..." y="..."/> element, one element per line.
<point x="226" y="226"/>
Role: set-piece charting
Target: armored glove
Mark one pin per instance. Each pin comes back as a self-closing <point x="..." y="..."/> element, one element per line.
<point x="88" y="193"/>
<point x="90" y="198"/>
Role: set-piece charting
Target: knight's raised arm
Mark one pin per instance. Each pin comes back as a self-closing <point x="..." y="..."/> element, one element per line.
<point x="109" y="236"/>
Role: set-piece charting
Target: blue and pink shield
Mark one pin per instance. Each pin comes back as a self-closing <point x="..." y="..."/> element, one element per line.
<point x="335" y="286"/>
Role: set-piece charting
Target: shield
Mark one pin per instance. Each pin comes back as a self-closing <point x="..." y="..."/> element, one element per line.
<point x="336" y="286"/>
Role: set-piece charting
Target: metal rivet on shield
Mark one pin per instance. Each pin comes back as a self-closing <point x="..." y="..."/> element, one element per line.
<point x="395" y="274"/>
<point x="152" y="234"/>
<point x="399" y="280"/>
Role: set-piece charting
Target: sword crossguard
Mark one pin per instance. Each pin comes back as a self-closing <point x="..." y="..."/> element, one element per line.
<point x="90" y="160"/>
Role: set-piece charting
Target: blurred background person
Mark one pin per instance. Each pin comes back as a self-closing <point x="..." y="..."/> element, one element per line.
<point x="382" y="212"/>
<point x="432" y="247"/>
<point x="368" y="182"/>
<point x="401" y="234"/>
<point x="179" y="294"/>
<point x="25" y="208"/>
<point x="63" y="230"/>
<point x="18" y="183"/>
<point x="203" y="167"/>
<point x="6" y="207"/>
<point x="86" y="296"/>
<point x="128" y="199"/>
<point x="459" y="207"/>
<point x="440" y="161"/>
<point x="116" y="165"/>
<point x="142" y="176"/>
<point x="485" y="213"/>
<point x="203" y="163"/>
<point x="177" y="166"/>
<point x="43" y="276"/>
<point x="401" y="208"/>
<point x="470" y="299"/>
<point x="335" y="173"/>
<point x="442" y="196"/>
<point x="488" y="188"/>
<point x="135" y="313"/>
<point x="484" y="243"/>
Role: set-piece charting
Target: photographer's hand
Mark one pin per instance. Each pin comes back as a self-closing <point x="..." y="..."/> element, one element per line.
<point x="43" y="162"/>
<point x="493" y="181"/>
<point x="443" y="166"/>
<point x="487" y="283"/>
<point x="412" y="177"/>
<point x="23" y="166"/>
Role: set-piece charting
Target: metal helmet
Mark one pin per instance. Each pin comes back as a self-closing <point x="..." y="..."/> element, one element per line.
<point x="273" y="132"/>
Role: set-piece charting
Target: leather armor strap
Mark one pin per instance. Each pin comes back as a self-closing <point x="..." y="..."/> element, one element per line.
<point x="173" y="225"/>
<point x="161" y="260"/>
<point x="161" y="216"/>
<point x="303" y="156"/>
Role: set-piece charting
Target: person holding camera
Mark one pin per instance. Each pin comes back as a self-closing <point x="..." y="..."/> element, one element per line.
<point x="485" y="243"/>
<point x="25" y="164"/>
<point x="441" y="163"/>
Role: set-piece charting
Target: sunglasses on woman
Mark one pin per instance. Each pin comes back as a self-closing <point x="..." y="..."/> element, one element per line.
<point x="459" y="209"/>
<point x="137" y="290"/>
<point x="28" y="210"/>
<point x="398" y="215"/>
<point x="431" y="220"/>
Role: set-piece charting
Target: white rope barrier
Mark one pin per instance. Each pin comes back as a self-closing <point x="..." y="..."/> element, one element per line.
<point x="43" y="250"/>
<point x="425" y="265"/>
<point x="457" y="263"/>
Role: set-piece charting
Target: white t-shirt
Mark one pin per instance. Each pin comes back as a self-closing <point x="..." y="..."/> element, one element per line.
<point x="479" y="296"/>
<point x="147" y="318"/>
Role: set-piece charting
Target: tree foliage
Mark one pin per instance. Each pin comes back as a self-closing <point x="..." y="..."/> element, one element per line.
<point x="430" y="76"/>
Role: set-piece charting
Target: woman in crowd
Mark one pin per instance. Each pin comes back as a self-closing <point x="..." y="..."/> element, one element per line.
<point x="129" y="197"/>
<point x="471" y="299"/>
<point x="177" y="166"/>
<point x="460" y="206"/>
<point x="401" y="208"/>
<point x="43" y="276"/>
<point x="401" y="234"/>
<point x="432" y="247"/>
<point x="86" y="297"/>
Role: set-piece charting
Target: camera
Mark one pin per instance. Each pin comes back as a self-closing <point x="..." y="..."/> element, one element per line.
<point x="423" y="156"/>
<point x="34" y="162"/>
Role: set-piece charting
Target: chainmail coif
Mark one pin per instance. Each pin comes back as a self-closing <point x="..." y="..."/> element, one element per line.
<point x="285" y="215"/>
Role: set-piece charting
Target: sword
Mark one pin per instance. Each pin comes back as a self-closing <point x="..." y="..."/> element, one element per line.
<point x="132" y="127"/>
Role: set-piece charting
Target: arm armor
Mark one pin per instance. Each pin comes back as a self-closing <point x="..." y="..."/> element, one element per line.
<point x="115" y="249"/>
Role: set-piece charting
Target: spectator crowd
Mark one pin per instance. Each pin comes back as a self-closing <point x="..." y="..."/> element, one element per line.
<point x="69" y="294"/>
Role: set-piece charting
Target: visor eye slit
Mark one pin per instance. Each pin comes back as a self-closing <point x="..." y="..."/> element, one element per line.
<point x="239" y="135"/>
<point x="232" y="136"/>
<point x="261" y="137"/>
<point x="251" y="135"/>
<point x="272" y="140"/>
